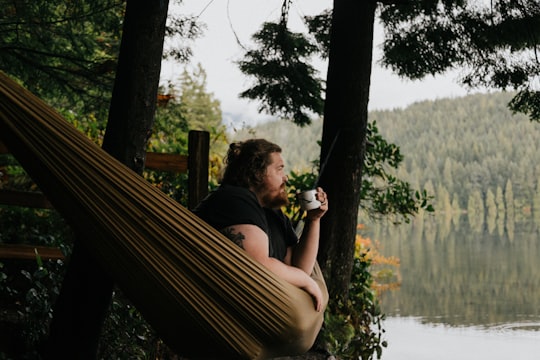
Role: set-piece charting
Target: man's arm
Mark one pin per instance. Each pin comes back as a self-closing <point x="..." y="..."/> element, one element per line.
<point x="304" y="254"/>
<point x="255" y="242"/>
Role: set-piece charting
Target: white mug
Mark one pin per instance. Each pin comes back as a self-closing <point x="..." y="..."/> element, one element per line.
<point x="308" y="200"/>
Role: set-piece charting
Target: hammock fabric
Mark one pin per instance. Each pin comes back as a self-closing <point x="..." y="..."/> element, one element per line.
<point x="203" y="295"/>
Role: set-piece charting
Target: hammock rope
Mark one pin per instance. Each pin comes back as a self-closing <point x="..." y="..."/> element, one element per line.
<point x="202" y="294"/>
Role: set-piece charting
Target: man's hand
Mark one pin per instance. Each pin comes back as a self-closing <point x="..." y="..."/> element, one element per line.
<point x="316" y="214"/>
<point x="313" y="289"/>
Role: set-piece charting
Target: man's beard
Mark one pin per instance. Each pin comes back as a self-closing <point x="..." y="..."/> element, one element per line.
<point x="278" y="201"/>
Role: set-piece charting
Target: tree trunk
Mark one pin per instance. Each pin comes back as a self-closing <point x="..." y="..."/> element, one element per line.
<point x="344" y="127"/>
<point x="133" y="105"/>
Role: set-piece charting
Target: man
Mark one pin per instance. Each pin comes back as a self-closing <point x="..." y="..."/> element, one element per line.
<point x="246" y="208"/>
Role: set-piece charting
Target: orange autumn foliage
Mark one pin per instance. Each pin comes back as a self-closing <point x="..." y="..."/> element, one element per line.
<point x="385" y="270"/>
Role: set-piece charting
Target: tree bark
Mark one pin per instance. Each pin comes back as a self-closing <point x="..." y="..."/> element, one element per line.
<point x="133" y="104"/>
<point x="344" y="133"/>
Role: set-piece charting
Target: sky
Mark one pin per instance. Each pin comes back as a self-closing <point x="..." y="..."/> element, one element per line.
<point x="230" y="23"/>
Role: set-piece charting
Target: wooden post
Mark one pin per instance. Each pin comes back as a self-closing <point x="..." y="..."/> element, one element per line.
<point x="198" y="163"/>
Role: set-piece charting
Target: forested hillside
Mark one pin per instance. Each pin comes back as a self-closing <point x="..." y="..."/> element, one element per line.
<point x="471" y="153"/>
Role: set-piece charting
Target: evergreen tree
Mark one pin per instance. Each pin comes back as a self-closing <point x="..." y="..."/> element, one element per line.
<point x="491" y="210"/>
<point x="447" y="175"/>
<point x="201" y="109"/>
<point x="457" y="210"/>
<point x="476" y="211"/>
<point x="510" y="209"/>
<point x="443" y="203"/>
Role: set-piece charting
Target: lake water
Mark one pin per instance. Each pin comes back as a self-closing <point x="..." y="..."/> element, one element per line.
<point x="465" y="292"/>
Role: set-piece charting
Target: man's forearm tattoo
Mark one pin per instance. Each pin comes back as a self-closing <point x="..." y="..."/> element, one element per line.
<point x="237" y="238"/>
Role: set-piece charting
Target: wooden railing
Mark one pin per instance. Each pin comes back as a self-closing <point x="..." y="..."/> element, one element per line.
<point x="196" y="165"/>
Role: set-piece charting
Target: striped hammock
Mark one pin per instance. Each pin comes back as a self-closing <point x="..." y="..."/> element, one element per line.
<point x="201" y="293"/>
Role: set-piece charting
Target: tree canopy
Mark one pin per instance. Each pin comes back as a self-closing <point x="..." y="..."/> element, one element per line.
<point x="64" y="52"/>
<point x="495" y="43"/>
<point x="67" y="52"/>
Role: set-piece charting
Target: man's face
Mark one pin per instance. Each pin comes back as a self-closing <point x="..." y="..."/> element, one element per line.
<point x="273" y="191"/>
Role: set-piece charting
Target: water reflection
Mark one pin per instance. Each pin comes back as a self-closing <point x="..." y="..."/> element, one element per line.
<point x="457" y="275"/>
<point x="410" y="340"/>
